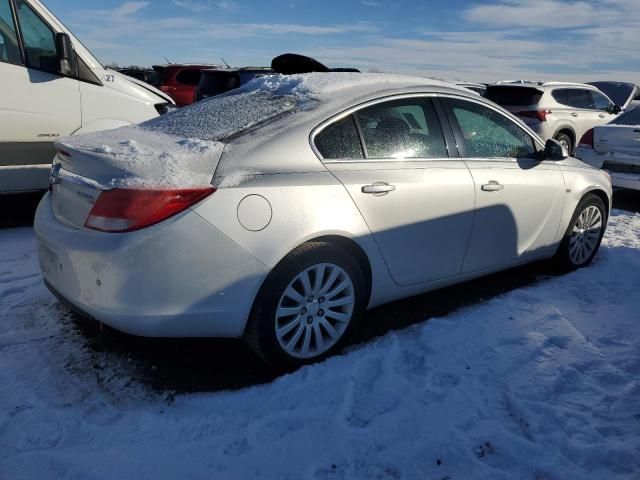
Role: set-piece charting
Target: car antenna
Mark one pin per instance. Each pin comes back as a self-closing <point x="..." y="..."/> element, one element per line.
<point x="225" y="62"/>
<point x="167" y="60"/>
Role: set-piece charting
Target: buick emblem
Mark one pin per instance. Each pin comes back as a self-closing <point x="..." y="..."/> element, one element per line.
<point x="54" y="176"/>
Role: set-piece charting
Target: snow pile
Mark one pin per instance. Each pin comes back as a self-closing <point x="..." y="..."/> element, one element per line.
<point x="140" y="158"/>
<point x="542" y="382"/>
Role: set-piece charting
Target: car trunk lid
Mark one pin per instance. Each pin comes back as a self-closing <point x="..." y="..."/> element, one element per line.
<point x="621" y="141"/>
<point x="129" y="157"/>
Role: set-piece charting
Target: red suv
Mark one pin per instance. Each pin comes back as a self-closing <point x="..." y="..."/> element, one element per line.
<point x="179" y="81"/>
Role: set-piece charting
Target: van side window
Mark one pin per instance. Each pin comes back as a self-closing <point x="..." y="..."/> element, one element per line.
<point x="9" y="49"/>
<point x="38" y="38"/>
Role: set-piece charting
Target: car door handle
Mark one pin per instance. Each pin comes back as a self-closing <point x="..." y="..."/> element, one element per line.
<point x="574" y="114"/>
<point x="378" y="188"/>
<point x="602" y="115"/>
<point x="492" y="186"/>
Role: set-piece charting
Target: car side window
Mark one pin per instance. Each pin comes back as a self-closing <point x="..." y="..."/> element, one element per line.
<point x="488" y="134"/>
<point x="580" y="98"/>
<point x="189" y="77"/>
<point x="9" y="49"/>
<point x="600" y="102"/>
<point x="38" y="39"/>
<point x="340" y="140"/>
<point x="561" y="95"/>
<point x="402" y="129"/>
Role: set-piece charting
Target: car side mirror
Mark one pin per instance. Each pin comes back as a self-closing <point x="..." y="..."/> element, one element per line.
<point x="616" y="109"/>
<point x="67" y="59"/>
<point x="554" y="150"/>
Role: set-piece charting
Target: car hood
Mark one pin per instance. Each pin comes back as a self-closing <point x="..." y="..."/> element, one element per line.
<point x="132" y="86"/>
<point x="620" y="93"/>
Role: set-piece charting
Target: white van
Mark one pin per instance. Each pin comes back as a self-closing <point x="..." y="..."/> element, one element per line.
<point x="51" y="86"/>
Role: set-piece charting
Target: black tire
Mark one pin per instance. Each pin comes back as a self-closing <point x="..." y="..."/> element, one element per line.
<point x="563" y="258"/>
<point x="563" y="137"/>
<point x="260" y="334"/>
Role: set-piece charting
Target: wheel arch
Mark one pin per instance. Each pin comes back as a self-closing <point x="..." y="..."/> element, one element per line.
<point x="569" y="131"/>
<point x="356" y="251"/>
<point x="602" y="195"/>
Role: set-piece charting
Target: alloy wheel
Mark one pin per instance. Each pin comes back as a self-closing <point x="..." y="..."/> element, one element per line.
<point x="315" y="310"/>
<point x="585" y="235"/>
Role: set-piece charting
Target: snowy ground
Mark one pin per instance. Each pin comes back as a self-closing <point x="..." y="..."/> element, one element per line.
<point x="540" y="382"/>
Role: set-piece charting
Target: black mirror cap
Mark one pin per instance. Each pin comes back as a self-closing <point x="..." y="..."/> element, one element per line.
<point x="66" y="55"/>
<point x="554" y="150"/>
<point x="616" y="109"/>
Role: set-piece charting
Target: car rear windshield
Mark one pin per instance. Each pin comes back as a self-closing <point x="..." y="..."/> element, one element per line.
<point x="221" y="117"/>
<point x="512" y="95"/>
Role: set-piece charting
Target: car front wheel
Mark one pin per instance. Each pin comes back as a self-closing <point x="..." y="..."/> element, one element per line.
<point x="307" y="306"/>
<point x="586" y="229"/>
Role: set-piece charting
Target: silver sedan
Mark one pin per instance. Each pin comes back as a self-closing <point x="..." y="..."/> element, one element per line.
<point x="281" y="211"/>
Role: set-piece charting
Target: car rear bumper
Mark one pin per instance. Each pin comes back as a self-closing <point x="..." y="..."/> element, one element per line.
<point x="618" y="179"/>
<point x="180" y="278"/>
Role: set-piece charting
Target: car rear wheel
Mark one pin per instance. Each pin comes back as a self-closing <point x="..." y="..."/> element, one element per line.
<point x="584" y="235"/>
<point x="307" y="306"/>
<point x="565" y="141"/>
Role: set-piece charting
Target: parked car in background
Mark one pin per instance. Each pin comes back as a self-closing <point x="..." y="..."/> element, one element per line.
<point x="560" y="110"/>
<point x="146" y="75"/>
<point x="180" y="81"/>
<point x="479" y="88"/>
<point x="220" y="80"/>
<point x="51" y="86"/>
<point x="282" y="210"/>
<point x="621" y="93"/>
<point x="615" y="148"/>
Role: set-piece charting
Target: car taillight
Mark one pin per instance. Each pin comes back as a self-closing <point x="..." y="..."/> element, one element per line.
<point x="540" y="115"/>
<point x="587" y="139"/>
<point x="125" y="209"/>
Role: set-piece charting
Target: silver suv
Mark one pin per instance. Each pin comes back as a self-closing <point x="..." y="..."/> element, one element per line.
<point x="561" y="110"/>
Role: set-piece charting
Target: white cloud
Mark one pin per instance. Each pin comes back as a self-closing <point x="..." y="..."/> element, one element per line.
<point x="370" y="3"/>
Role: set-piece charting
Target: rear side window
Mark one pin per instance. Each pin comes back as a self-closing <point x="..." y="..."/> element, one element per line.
<point x="488" y="134"/>
<point x="579" y="98"/>
<point x="513" y="95"/>
<point x="9" y="50"/>
<point x="402" y="129"/>
<point x="561" y="96"/>
<point x="38" y="38"/>
<point x="189" y="77"/>
<point x="632" y="117"/>
<point x="340" y="140"/>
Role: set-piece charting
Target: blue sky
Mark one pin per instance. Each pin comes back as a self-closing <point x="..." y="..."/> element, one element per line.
<point x="453" y="39"/>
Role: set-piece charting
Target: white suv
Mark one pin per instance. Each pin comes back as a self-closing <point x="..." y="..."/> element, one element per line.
<point x="561" y="110"/>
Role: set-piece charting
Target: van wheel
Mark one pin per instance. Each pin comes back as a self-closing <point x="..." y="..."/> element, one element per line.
<point x="565" y="140"/>
<point x="307" y="306"/>
<point x="583" y="237"/>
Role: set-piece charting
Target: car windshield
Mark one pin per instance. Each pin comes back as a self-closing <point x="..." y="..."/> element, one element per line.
<point x="619" y="93"/>
<point x="632" y="117"/>
<point x="512" y="95"/>
<point x="218" y="118"/>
